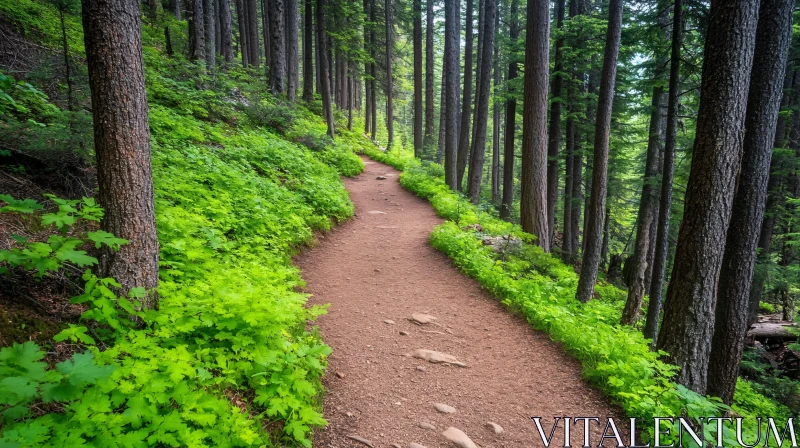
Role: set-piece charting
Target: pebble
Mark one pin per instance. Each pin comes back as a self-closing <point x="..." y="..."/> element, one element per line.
<point x="426" y="425"/>
<point x="403" y="333"/>
<point x="458" y="437"/>
<point x="495" y="427"/>
<point x="340" y="374"/>
<point x="415" y="445"/>
<point x="445" y="409"/>
<point x="395" y="445"/>
<point x="421" y="368"/>
<point x="422" y="318"/>
<point x="389" y="321"/>
<point x="361" y="440"/>
<point x="436" y="357"/>
<point x="380" y="178"/>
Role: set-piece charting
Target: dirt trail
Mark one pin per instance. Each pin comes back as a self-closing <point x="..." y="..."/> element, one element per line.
<point x="379" y="266"/>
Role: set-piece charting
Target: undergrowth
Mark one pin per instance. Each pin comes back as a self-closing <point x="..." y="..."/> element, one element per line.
<point x="538" y="286"/>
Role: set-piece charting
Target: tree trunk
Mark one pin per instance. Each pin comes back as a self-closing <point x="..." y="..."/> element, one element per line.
<point x="689" y="307"/>
<point x="308" y="52"/>
<point x="198" y="35"/>
<point x="65" y="52"/>
<point x="428" y="141"/>
<point x="647" y="213"/>
<point x="418" y="137"/>
<point x="554" y="133"/>
<point x="367" y="46"/>
<point x="511" y="119"/>
<point x="323" y="68"/>
<point x="113" y="41"/>
<point x="738" y="263"/>
<point x="217" y="28"/>
<point x="496" y="119"/>
<point x="177" y="9"/>
<point x="451" y="78"/>
<point x="442" y="112"/>
<point x="292" y="61"/>
<point x="667" y="174"/>
<point x="569" y="158"/>
<point x="277" y="71"/>
<point x="533" y="204"/>
<point x="226" y="31"/>
<point x="211" y="60"/>
<point x="466" y="101"/>
<point x="482" y="96"/>
<point x="252" y="30"/>
<point x="593" y="231"/>
<point x="241" y="13"/>
<point x="389" y="80"/>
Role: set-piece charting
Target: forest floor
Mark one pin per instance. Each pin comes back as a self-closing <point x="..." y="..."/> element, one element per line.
<point x="378" y="269"/>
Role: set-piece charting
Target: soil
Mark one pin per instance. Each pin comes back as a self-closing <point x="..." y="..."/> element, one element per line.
<point x="378" y="267"/>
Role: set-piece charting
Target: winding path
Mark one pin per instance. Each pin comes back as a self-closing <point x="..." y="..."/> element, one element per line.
<point x="378" y="267"/>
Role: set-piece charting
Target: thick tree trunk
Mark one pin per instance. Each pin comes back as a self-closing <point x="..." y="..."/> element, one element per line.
<point x="252" y="30"/>
<point x="496" y="119"/>
<point x="667" y="173"/>
<point x="241" y="13"/>
<point x="593" y="231"/>
<point x="647" y="213"/>
<point x="367" y="45"/>
<point x="292" y="47"/>
<point x="198" y="28"/>
<point x="323" y="68"/>
<point x="442" y="113"/>
<point x="451" y="78"/>
<point x="569" y="158"/>
<point x="738" y="262"/>
<point x="389" y="80"/>
<point x="482" y="96"/>
<point x="533" y="204"/>
<point x="428" y="141"/>
<point x="308" y="52"/>
<point x="277" y="71"/>
<point x="466" y="101"/>
<point x="210" y="26"/>
<point x="689" y="306"/>
<point x="226" y="31"/>
<point x="554" y="133"/>
<point x="418" y="137"/>
<point x="113" y="41"/>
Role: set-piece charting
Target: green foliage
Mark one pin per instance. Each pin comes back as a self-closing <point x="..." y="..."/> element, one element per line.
<point x="538" y="286"/>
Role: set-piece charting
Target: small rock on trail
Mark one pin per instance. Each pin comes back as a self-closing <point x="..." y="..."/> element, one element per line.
<point x="422" y="318"/>
<point x="458" y="437"/>
<point x="415" y="445"/>
<point x="495" y="427"/>
<point x="444" y="408"/>
<point x="361" y="440"/>
<point x="436" y="357"/>
<point x="389" y="321"/>
<point x="426" y="425"/>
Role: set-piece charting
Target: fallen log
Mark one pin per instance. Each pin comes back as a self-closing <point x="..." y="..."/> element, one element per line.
<point x="772" y="330"/>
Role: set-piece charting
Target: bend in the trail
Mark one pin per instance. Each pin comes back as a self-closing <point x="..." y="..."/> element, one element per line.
<point x="376" y="271"/>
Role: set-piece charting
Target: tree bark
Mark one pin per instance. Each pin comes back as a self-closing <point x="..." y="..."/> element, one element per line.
<point x="647" y="213"/>
<point x="292" y="47"/>
<point x="482" y="96"/>
<point x="667" y="174"/>
<point x="428" y="141"/>
<point x="689" y="306"/>
<point x="511" y="118"/>
<point x="226" y="31"/>
<point x="466" y="101"/>
<point x="277" y="71"/>
<point x="554" y="133"/>
<point x="308" y="52"/>
<point x="533" y="203"/>
<point x="442" y="112"/>
<point x="198" y="34"/>
<point x="418" y="137"/>
<point x="252" y="30"/>
<point x="323" y="68"/>
<point x="113" y="41"/>
<point x="389" y="80"/>
<point x="241" y="13"/>
<point x="211" y="51"/>
<point x="496" y="119"/>
<point x="738" y="263"/>
<point x="451" y="78"/>
<point x="593" y="231"/>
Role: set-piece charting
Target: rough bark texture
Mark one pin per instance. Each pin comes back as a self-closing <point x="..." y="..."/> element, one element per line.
<point x="554" y="133"/>
<point x="482" y="96"/>
<point x="451" y="79"/>
<point x="496" y="119"/>
<point x="466" y="101"/>
<point x="667" y="174"/>
<point x="442" y="112"/>
<point x="367" y="46"/>
<point x="689" y="306"/>
<point x="113" y="41"/>
<point x="198" y="31"/>
<point x="593" y="230"/>
<point x="292" y="47"/>
<point x="389" y="79"/>
<point x="738" y="262"/>
<point x="226" y="31"/>
<point x="428" y="141"/>
<point x="418" y="136"/>
<point x="266" y="7"/>
<point x="252" y="31"/>
<point x="647" y="213"/>
<point x="308" y="52"/>
<point x="277" y="71"/>
<point x="323" y="68"/>
<point x="210" y="28"/>
<point x="243" y="39"/>
<point x="533" y="203"/>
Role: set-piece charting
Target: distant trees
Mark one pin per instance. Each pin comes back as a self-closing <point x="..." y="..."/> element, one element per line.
<point x="450" y="88"/>
<point x="113" y="41"/>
